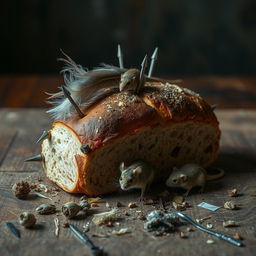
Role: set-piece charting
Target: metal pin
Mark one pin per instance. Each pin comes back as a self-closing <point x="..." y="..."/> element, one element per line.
<point x="13" y="229"/>
<point x="153" y="61"/>
<point x="85" y="148"/>
<point x="67" y="94"/>
<point x="96" y="250"/>
<point x="214" y="233"/>
<point x="214" y="106"/>
<point x="120" y="56"/>
<point x="142" y="72"/>
<point x="43" y="136"/>
<point x="36" y="158"/>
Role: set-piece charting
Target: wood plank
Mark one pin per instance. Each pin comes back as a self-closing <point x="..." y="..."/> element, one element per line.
<point x="7" y="138"/>
<point x="29" y="125"/>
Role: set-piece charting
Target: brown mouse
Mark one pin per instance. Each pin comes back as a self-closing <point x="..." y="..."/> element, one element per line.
<point x="138" y="175"/>
<point x="189" y="176"/>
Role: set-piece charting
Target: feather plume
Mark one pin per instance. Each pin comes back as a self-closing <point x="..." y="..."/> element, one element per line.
<point x="85" y="87"/>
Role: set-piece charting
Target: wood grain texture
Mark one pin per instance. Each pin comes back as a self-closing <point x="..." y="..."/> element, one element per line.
<point x="237" y="158"/>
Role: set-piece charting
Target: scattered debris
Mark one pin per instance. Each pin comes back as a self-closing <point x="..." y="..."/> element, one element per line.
<point x="46" y="209"/>
<point x="230" y="205"/>
<point x="109" y="224"/>
<point x="96" y="200"/>
<point x="126" y="213"/>
<point x="209" y="225"/>
<point x="148" y="202"/>
<point x="57" y="226"/>
<point x="71" y="209"/>
<point x="178" y="199"/>
<point x="108" y="205"/>
<point x="208" y="206"/>
<point x="86" y="227"/>
<point x="122" y="231"/>
<point x="21" y="189"/>
<point x="105" y="217"/>
<point x="27" y="219"/>
<point x="41" y="187"/>
<point x="119" y="204"/>
<point x="237" y="236"/>
<point x="214" y="233"/>
<point x="182" y="235"/>
<point x="160" y="222"/>
<point x="41" y="195"/>
<point x="100" y="235"/>
<point x="132" y="205"/>
<point x="180" y="207"/>
<point x="65" y="225"/>
<point x="190" y="229"/>
<point x="210" y="241"/>
<point x="200" y="221"/>
<point x="141" y="216"/>
<point x="84" y="197"/>
<point x="13" y="229"/>
<point x="229" y="224"/>
<point x="233" y="192"/>
<point x="85" y="205"/>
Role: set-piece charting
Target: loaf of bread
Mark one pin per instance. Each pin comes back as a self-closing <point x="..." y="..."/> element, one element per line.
<point x="166" y="126"/>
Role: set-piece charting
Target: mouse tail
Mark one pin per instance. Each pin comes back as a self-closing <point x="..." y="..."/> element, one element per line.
<point x="219" y="173"/>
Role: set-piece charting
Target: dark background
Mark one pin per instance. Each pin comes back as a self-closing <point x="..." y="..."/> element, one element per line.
<point x="195" y="37"/>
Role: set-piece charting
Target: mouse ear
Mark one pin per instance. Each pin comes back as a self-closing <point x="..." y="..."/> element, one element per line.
<point x="175" y="168"/>
<point x="183" y="177"/>
<point x="121" y="167"/>
<point x="136" y="171"/>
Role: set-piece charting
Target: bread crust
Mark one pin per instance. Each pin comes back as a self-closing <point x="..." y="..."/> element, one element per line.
<point x="124" y="114"/>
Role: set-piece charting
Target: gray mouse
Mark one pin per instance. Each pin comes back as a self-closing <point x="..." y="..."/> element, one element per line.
<point x="191" y="175"/>
<point x="138" y="175"/>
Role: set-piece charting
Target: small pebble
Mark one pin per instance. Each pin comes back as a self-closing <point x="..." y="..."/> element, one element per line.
<point x="229" y="224"/>
<point x="126" y="213"/>
<point x="182" y="235"/>
<point x="27" y="219"/>
<point x="210" y="241"/>
<point x="46" y="209"/>
<point x="148" y="202"/>
<point x="209" y="225"/>
<point x="132" y="205"/>
<point x="233" y="192"/>
<point x="237" y="236"/>
<point x="230" y="205"/>
<point x="21" y="189"/>
<point x="119" y="204"/>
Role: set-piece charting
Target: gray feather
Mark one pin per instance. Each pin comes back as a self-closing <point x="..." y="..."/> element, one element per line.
<point x="86" y="87"/>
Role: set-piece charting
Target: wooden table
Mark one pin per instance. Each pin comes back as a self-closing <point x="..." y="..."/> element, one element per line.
<point x="227" y="91"/>
<point x="18" y="132"/>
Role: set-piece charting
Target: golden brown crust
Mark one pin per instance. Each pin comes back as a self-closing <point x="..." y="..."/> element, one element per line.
<point x="123" y="113"/>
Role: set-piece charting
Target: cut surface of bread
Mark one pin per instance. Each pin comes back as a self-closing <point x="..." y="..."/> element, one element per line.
<point x="59" y="152"/>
